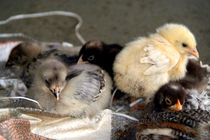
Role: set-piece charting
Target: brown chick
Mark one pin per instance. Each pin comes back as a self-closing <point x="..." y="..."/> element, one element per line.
<point x="28" y="52"/>
<point x="147" y="63"/>
<point x="23" y="53"/>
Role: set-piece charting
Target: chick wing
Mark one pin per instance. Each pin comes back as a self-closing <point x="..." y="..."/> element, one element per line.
<point x="91" y="84"/>
<point x="159" y="62"/>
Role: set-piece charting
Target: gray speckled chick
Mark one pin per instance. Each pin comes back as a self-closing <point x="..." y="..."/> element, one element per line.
<point x="88" y="91"/>
<point x="77" y="90"/>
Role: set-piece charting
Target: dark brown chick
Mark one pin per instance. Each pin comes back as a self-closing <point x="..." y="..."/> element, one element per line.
<point x="196" y="77"/>
<point x="99" y="53"/>
<point x="190" y="89"/>
<point x="170" y="96"/>
<point x="195" y="83"/>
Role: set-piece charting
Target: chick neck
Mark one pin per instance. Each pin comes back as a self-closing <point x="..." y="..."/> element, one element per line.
<point x="179" y="70"/>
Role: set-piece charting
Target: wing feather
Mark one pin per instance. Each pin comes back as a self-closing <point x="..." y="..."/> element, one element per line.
<point x="90" y="86"/>
<point x="158" y="61"/>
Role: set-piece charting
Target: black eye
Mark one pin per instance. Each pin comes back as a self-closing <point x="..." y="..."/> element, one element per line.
<point x="90" y="58"/>
<point x="184" y="45"/>
<point x="168" y="101"/>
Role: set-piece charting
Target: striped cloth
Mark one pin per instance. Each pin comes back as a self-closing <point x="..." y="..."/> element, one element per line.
<point x="35" y="124"/>
<point x="17" y="129"/>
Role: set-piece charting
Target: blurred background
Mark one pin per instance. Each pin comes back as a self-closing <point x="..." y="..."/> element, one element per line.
<point x="111" y="21"/>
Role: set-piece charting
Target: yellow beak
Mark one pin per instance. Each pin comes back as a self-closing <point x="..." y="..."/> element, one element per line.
<point x="80" y="61"/>
<point x="177" y="106"/>
<point x="194" y="52"/>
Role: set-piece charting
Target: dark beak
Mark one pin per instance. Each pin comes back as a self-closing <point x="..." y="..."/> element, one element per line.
<point x="56" y="92"/>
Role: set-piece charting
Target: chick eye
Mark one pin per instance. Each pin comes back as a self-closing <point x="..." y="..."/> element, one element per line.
<point x="90" y="58"/>
<point x="184" y="45"/>
<point x="168" y="101"/>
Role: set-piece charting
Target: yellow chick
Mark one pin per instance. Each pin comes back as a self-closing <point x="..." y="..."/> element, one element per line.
<point x="147" y="63"/>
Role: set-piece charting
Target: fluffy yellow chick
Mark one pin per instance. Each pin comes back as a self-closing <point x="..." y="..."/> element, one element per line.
<point x="149" y="62"/>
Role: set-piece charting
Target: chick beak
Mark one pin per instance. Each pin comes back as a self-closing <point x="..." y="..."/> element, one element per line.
<point x="194" y="52"/>
<point x="56" y="92"/>
<point x="80" y="61"/>
<point x="177" y="106"/>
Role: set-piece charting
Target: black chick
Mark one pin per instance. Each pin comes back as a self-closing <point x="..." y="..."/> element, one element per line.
<point x="196" y="77"/>
<point x="195" y="83"/>
<point x="170" y="96"/>
<point x="170" y="125"/>
<point x="185" y="93"/>
<point x="99" y="53"/>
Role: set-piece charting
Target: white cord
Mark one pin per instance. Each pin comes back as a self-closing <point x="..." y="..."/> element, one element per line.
<point x="119" y="109"/>
<point x="205" y="66"/>
<point x="50" y="13"/>
<point x="25" y="98"/>
<point x="125" y="116"/>
<point x="6" y="35"/>
<point x="135" y="102"/>
<point x="113" y="94"/>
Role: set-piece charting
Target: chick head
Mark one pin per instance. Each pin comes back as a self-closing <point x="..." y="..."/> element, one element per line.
<point x="170" y="97"/>
<point x="53" y="75"/>
<point x="91" y="52"/>
<point x="180" y="37"/>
